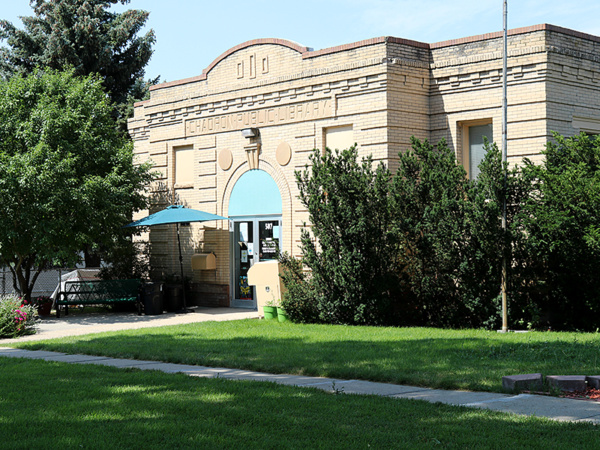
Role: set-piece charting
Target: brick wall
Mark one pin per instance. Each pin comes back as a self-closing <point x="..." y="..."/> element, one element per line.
<point x="387" y="89"/>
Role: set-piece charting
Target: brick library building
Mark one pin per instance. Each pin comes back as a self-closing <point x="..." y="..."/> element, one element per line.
<point x="229" y="140"/>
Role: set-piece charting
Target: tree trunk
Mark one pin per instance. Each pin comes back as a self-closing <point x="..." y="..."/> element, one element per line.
<point x="23" y="282"/>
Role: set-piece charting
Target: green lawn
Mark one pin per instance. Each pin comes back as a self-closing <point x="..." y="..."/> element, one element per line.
<point x="71" y="406"/>
<point x="450" y="359"/>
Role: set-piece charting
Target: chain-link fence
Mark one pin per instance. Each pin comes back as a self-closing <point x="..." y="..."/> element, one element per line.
<point x="46" y="283"/>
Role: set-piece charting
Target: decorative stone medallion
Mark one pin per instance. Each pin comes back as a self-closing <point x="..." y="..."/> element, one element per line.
<point x="283" y="154"/>
<point x="225" y="159"/>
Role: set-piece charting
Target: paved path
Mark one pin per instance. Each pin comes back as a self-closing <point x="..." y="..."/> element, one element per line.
<point x="78" y="324"/>
<point x="523" y="404"/>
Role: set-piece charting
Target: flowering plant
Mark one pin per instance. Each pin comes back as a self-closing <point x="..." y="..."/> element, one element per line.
<point x="41" y="300"/>
<point x="16" y="318"/>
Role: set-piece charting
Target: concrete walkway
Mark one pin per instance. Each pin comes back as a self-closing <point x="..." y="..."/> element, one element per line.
<point x="524" y="404"/>
<point x="79" y="324"/>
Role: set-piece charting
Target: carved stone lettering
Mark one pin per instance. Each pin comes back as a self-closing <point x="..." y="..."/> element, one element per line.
<point x="259" y="118"/>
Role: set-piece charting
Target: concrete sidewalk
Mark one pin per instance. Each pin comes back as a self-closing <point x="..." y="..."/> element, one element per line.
<point x="524" y="404"/>
<point x="79" y="324"/>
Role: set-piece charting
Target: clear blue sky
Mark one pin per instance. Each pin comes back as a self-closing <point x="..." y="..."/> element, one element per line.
<point x="192" y="33"/>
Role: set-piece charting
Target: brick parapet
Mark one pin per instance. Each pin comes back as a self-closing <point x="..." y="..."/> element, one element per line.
<point x="307" y="53"/>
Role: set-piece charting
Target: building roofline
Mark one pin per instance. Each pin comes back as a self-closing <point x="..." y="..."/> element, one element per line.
<point x="514" y="32"/>
<point x="284" y="42"/>
<point x="364" y="43"/>
<point x="140" y="103"/>
<point x="307" y="52"/>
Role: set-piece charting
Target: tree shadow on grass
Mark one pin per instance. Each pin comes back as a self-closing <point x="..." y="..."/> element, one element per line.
<point x="74" y="406"/>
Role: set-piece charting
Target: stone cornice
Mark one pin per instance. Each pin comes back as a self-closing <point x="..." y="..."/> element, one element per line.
<point x="575" y="54"/>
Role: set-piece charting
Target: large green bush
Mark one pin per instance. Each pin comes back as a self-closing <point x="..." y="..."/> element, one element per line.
<point x="351" y="247"/>
<point x="426" y="246"/>
<point x="561" y="220"/>
<point x="422" y="247"/>
<point x="429" y="214"/>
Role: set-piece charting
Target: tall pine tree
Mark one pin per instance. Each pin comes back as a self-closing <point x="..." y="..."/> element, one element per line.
<point x="84" y="35"/>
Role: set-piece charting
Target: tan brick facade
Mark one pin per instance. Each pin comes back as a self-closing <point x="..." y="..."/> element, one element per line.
<point x="382" y="90"/>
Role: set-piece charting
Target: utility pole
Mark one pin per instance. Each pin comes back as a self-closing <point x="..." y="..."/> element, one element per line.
<point x="504" y="163"/>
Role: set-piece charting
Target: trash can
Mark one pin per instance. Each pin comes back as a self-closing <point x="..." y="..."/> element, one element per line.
<point x="173" y="297"/>
<point x="153" y="299"/>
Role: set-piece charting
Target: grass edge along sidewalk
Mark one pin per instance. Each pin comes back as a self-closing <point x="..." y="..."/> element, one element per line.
<point x="103" y="407"/>
<point x="445" y="359"/>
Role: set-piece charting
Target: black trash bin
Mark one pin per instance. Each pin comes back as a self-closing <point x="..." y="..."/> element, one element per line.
<point x="153" y="299"/>
<point x="173" y="297"/>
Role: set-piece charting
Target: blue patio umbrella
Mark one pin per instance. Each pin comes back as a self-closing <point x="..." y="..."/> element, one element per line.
<point x="176" y="214"/>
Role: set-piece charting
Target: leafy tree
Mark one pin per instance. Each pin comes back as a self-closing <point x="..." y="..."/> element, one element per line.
<point x="561" y="218"/>
<point x="84" y="35"/>
<point x="67" y="176"/>
<point x="350" y="247"/>
<point x="127" y="259"/>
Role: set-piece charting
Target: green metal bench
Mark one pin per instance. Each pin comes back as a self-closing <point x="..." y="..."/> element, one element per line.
<point x="99" y="292"/>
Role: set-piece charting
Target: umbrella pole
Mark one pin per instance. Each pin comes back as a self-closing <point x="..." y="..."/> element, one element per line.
<point x="184" y="310"/>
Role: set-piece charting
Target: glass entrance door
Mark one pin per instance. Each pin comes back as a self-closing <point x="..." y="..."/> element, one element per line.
<point x="244" y="258"/>
<point x="254" y="240"/>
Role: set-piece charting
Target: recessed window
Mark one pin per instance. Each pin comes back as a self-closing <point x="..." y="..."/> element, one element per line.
<point x="589" y="126"/>
<point x="474" y="137"/>
<point x="339" y="137"/>
<point x="184" y="165"/>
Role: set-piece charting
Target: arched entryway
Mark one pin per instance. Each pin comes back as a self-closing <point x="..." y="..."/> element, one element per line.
<point x="255" y="208"/>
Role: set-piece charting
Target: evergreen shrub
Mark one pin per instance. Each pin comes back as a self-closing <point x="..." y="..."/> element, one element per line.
<point x="426" y="246"/>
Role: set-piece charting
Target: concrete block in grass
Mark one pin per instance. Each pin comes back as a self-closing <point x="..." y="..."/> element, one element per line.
<point x="567" y="383"/>
<point x="529" y="381"/>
